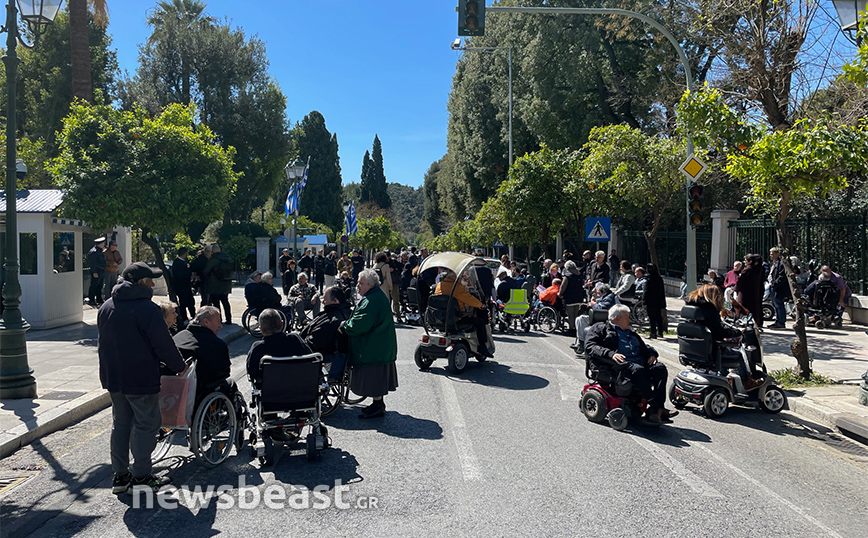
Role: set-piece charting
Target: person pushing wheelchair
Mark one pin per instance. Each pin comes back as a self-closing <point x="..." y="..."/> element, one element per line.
<point x="613" y="342"/>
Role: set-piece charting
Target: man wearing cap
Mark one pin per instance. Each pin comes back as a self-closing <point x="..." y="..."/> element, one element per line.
<point x="133" y="341"/>
<point x="283" y="261"/>
<point x="113" y="261"/>
<point x="358" y="265"/>
<point x="96" y="261"/>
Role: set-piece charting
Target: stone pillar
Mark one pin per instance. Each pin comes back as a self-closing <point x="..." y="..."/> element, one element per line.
<point x="262" y="257"/>
<point x="511" y="252"/>
<point x="722" y="242"/>
<point x="559" y="246"/>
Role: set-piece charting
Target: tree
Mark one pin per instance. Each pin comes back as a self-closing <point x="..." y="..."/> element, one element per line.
<point x="433" y="213"/>
<point x="321" y="199"/>
<point x="374" y="187"/>
<point x="377" y="234"/>
<point x="79" y="45"/>
<point x="123" y="168"/>
<point x="190" y="58"/>
<point x="366" y="194"/>
<point x="640" y="169"/>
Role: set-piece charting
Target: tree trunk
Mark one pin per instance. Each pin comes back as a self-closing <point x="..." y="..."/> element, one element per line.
<point x="80" y="50"/>
<point x="152" y="242"/>
<point x="799" y="346"/>
<point x="651" y="237"/>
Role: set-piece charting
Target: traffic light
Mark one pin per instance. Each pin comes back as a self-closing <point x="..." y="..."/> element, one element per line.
<point x="694" y="205"/>
<point x="471" y="17"/>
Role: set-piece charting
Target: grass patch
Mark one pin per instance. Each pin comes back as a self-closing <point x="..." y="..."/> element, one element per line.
<point x="787" y="379"/>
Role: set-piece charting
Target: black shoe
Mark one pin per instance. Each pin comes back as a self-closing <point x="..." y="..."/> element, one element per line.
<point x="777" y="326"/>
<point x="653" y="337"/>
<point x="150" y="481"/>
<point x="574" y="346"/>
<point x="376" y="409"/>
<point x="120" y="484"/>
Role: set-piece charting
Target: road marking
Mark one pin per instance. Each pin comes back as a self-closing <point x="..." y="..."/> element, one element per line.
<point x="684" y="474"/>
<point x="766" y="490"/>
<point x="561" y="351"/>
<point x="469" y="463"/>
<point x="571" y="388"/>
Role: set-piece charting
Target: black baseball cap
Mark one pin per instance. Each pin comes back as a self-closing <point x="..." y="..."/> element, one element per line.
<point x="139" y="270"/>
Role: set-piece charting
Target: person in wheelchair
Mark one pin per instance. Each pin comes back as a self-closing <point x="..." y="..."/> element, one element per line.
<point x="275" y="343"/>
<point x="199" y="342"/>
<point x="303" y="296"/>
<point x="322" y="335"/>
<point x="467" y="302"/>
<point x="605" y="299"/>
<point x="613" y="343"/>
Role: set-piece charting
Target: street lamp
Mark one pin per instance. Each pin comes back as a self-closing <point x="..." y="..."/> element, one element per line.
<point x="456" y="45"/>
<point x="848" y="14"/>
<point x="16" y="375"/>
<point x="294" y="172"/>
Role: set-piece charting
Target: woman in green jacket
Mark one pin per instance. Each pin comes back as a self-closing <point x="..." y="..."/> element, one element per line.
<point x="373" y="344"/>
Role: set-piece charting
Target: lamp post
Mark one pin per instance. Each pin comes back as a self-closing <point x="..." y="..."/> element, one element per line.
<point x="456" y="45"/>
<point x="848" y="14"/>
<point x="294" y="172"/>
<point x="16" y="375"/>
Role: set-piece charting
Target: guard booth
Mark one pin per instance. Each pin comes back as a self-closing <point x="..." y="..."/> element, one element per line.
<point x="52" y="254"/>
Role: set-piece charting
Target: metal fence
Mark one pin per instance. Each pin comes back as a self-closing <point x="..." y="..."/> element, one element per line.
<point x="671" y="251"/>
<point x="837" y="242"/>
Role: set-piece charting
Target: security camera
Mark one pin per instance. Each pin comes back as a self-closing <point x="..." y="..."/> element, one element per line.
<point x="456" y="45"/>
<point x="20" y="168"/>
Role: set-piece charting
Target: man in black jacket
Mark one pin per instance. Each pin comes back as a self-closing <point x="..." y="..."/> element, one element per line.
<point x="133" y="340"/>
<point x="322" y="336"/>
<point x="182" y="282"/>
<point x="96" y="261"/>
<point x="614" y="343"/>
<point x="199" y="342"/>
<point x="305" y="264"/>
<point x="275" y="343"/>
<point x="598" y="271"/>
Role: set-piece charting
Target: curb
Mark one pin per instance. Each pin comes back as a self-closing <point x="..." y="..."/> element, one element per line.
<point x="69" y="413"/>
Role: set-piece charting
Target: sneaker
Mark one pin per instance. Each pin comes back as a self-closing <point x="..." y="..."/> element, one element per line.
<point x="121" y="483"/>
<point x="149" y="481"/>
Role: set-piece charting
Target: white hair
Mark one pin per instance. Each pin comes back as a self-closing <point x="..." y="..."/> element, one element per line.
<point x="600" y="253"/>
<point x="618" y="310"/>
<point x="267" y="276"/>
<point x="370" y="276"/>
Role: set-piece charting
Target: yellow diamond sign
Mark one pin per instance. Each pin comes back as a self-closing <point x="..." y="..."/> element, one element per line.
<point x="693" y="167"/>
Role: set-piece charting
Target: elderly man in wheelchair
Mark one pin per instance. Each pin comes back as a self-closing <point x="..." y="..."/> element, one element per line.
<point x="288" y="382"/>
<point x="303" y="297"/>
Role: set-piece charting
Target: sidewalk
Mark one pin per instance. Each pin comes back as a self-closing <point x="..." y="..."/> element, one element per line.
<point x="841" y="354"/>
<point x="66" y="367"/>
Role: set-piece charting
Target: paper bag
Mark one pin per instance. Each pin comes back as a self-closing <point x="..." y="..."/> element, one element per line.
<point x="177" y="396"/>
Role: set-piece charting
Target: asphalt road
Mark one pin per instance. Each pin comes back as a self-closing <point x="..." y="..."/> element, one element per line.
<point x="501" y="450"/>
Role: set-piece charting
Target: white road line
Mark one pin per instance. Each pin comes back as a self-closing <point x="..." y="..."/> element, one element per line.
<point x="572" y="357"/>
<point x="571" y="388"/>
<point x="469" y="464"/>
<point x="766" y="490"/>
<point x="695" y="483"/>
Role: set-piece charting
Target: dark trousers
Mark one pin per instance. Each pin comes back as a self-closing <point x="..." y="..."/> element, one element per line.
<point x="216" y="299"/>
<point x="320" y="281"/>
<point x="481" y="332"/>
<point x="655" y="320"/>
<point x="135" y="422"/>
<point x="650" y="381"/>
<point x="186" y="302"/>
<point x="94" y="292"/>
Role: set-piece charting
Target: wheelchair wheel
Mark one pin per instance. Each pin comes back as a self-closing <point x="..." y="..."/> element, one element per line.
<point x="250" y="322"/>
<point x="768" y="312"/>
<point x="715" y="403"/>
<point x="331" y="399"/>
<point x="548" y="319"/>
<point x="639" y="314"/>
<point x="165" y="436"/>
<point x="617" y="419"/>
<point x="349" y="396"/>
<point x="594" y="406"/>
<point x="424" y="363"/>
<point x="214" y="429"/>
<point x="458" y="358"/>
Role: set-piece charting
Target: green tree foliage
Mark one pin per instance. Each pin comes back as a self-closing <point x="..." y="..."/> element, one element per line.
<point x="408" y="207"/>
<point x="433" y="214"/>
<point x="191" y="58"/>
<point x="123" y="168"/>
<point x="374" y="188"/>
<point x="640" y="170"/>
<point x="377" y="234"/>
<point x="856" y="71"/>
<point x="238" y="248"/>
<point x="321" y="198"/>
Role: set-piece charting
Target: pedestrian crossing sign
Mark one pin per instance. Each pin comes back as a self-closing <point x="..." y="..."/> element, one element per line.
<point x="598" y="228"/>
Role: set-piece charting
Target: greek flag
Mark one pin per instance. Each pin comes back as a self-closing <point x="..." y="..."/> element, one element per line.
<point x="291" y="205"/>
<point x="304" y="177"/>
<point x="352" y="227"/>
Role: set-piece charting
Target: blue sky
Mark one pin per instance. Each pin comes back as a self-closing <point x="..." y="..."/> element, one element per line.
<point x="370" y="67"/>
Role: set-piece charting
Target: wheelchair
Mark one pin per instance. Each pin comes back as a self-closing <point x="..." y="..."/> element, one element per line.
<point x="219" y="422"/>
<point x="287" y="403"/>
<point x="515" y="312"/>
<point x="608" y="398"/>
<point x="334" y="393"/>
<point x="250" y="320"/>
<point x="548" y="318"/>
<point x="410" y="306"/>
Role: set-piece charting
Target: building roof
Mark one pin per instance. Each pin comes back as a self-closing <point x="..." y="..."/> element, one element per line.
<point x="320" y="239"/>
<point x="34" y="201"/>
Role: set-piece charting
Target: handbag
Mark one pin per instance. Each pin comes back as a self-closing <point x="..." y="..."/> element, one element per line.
<point x="177" y="398"/>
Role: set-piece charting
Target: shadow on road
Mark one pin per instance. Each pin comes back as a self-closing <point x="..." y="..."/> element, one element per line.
<point x="394" y="424"/>
<point x="494" y="374"/>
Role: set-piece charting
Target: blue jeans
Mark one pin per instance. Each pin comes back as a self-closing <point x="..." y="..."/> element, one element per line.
<point x="780" y="311"/>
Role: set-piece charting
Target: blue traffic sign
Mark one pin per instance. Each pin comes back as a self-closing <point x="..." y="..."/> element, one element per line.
<point x="499" y="244"/>
<point x="598" y="229"/>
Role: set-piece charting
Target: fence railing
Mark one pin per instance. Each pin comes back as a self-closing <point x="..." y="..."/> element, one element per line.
<point x="671" y="251"/>
<point x="837" y="242"/>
